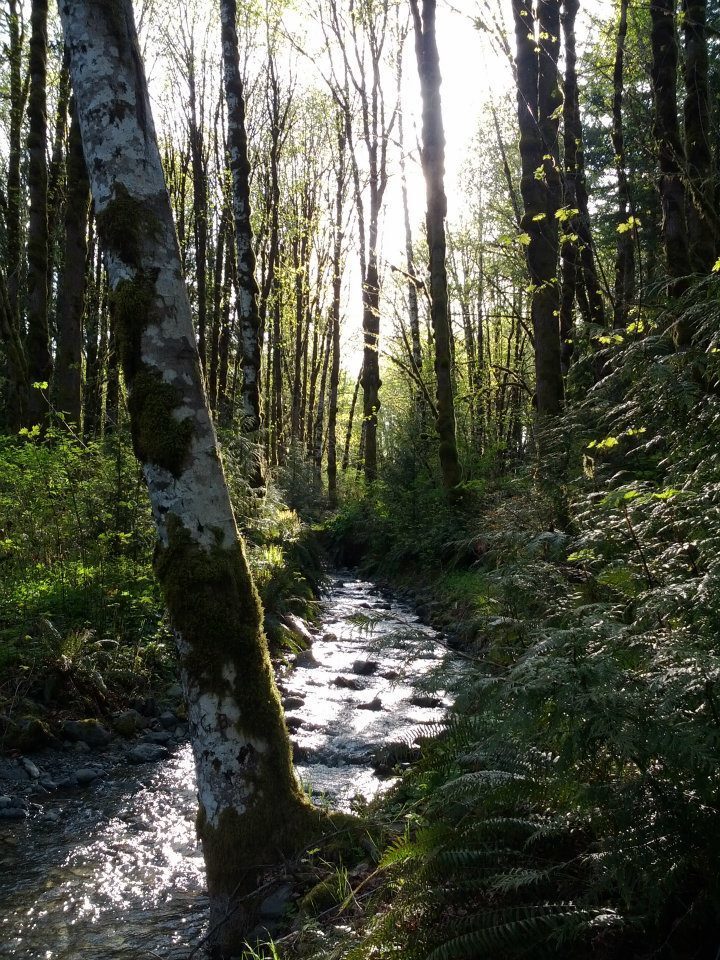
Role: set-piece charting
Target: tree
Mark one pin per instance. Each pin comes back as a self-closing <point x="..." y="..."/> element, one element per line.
<point x="433" y="162"/>
<point x="251" y="808"/>
<point x="71" y="295"/>
<point x="39" y="358"/>
<point x="627" y="229"/>
<point x="539" y="102"/>
<point x="671" y="154"/>
<point x="248" y="314"/>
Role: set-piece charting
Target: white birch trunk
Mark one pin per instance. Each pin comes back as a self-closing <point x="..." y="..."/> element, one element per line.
<point x="250" y="806"/>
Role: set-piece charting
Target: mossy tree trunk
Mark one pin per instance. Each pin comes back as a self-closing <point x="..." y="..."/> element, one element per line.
<point x="433" y="163"/>
<point x="247" y="304"/>
<point x="71" y="295"/>
<point x="251" y="809"/>
<point x="39" y="358"/>
<point x="538" y="101"/>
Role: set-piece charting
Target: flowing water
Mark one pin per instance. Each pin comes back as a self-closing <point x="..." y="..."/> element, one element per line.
<point x="117" y="874"/>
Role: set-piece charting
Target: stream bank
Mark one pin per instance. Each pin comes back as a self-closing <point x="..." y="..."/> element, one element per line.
<point x="112" y="870"/>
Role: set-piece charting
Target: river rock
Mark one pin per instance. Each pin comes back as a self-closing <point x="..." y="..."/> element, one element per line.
<point x="90" y="732"/>
<point x="293" y="723"/>
<point x="13" y="813"/>
<point x="387" y="757"/>
<point x="349" y="683"/>
<point x="128" y="722"/>
<point x="277" y="903"/>
<point x="147" y="706"/>
<point x="293" y="703"/>
<point x="391" y="675"/>
<point x="158" y="736"/>
<point x="168" y="719"/>
<point x="306" y="660"/>
<point x="330" y="637"/>
<point x="298" y="627"/>
<point x="174" y="692"/>
<point x="30" y="768"/>
<point x="7" y="803"/>
<point x="375" y="704"/>
<point x="426" y="702"/>
<point x="48" y="784"/>
<point x="365" y="668"/>
<point x="81" y="747"/>
<point x="87" y="775"/>
<point x="147" y="753"/>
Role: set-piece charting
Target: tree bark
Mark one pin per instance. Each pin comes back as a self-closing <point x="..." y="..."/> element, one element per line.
<point x="38" y="337"/>
<point x="538" y="102"/>
<point x="627" y="229"/>
<point x="671" y="154"/>
<point x="335" y="317"/>
<point x="575" y="179"/>
<point x="433" y="162"/>
<point x="248" y="314"/>
<point x="702" y="212"/>
<point x="71" y="295"/>
<point x="251" y="808"/>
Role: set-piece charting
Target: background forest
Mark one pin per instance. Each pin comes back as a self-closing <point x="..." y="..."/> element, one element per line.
<point x="492" y="376"/>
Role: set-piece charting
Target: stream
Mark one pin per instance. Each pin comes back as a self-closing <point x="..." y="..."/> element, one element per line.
<point x="114" y="873"/>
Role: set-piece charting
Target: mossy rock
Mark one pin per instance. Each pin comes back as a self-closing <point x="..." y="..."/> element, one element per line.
<point x="128" y="723"/>
<point x="26" y="735"/>
<point x="323" y="896"/>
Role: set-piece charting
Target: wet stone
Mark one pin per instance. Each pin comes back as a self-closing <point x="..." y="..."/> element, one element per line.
<point x="30" y="768"/>
<point x="168" y="719"/>
<point x="426" y="702"/>
<point x="375" y="704"/>
<point x="161" y="737"/>
<point x="147" y="753"/>
<point x="306" y="660"/>
<point x="293" y="703"/>
<point x="365" y="668"/>
<point x="89" y="732"/>
<point x="349" y="683"/>
<point x="87" y="775"/>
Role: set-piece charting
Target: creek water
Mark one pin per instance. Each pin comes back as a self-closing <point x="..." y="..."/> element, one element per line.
<point x="117" y="875"/>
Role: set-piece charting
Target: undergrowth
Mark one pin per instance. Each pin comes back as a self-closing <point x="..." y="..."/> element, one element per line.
<point x="570" y="806"/>
<point x="81" y="618"/>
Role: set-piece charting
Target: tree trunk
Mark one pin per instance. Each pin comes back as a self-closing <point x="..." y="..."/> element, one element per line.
<point x="71" y="295"/>
<point x="433" y="162"/>
<point x="575" y="179"/>
<point x="351" y="417"/>
<point x="671" y="154"/>
<point x="702" y="214"/>
<point x="248" y="315"/>
<point x="627" y="229"/>
<point x="200" y="210"/>
<point x="18" y="99"/>
<point x="38" y="336"/>
<point x="335" y="319"/>
<point x="538" y="102"/>
<point x="251" y="808"/>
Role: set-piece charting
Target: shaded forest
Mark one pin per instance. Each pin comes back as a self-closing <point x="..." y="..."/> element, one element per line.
<point x="278" y="300"/>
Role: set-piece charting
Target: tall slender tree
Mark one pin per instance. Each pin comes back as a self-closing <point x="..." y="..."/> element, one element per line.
<point x="539" y="101"/>
<point x="251" y="806"/>
<point x="433" y="163"/>
<point x="247" y="304"/>
<point x="39" y="357"/>
<point x="71" y="296"/>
